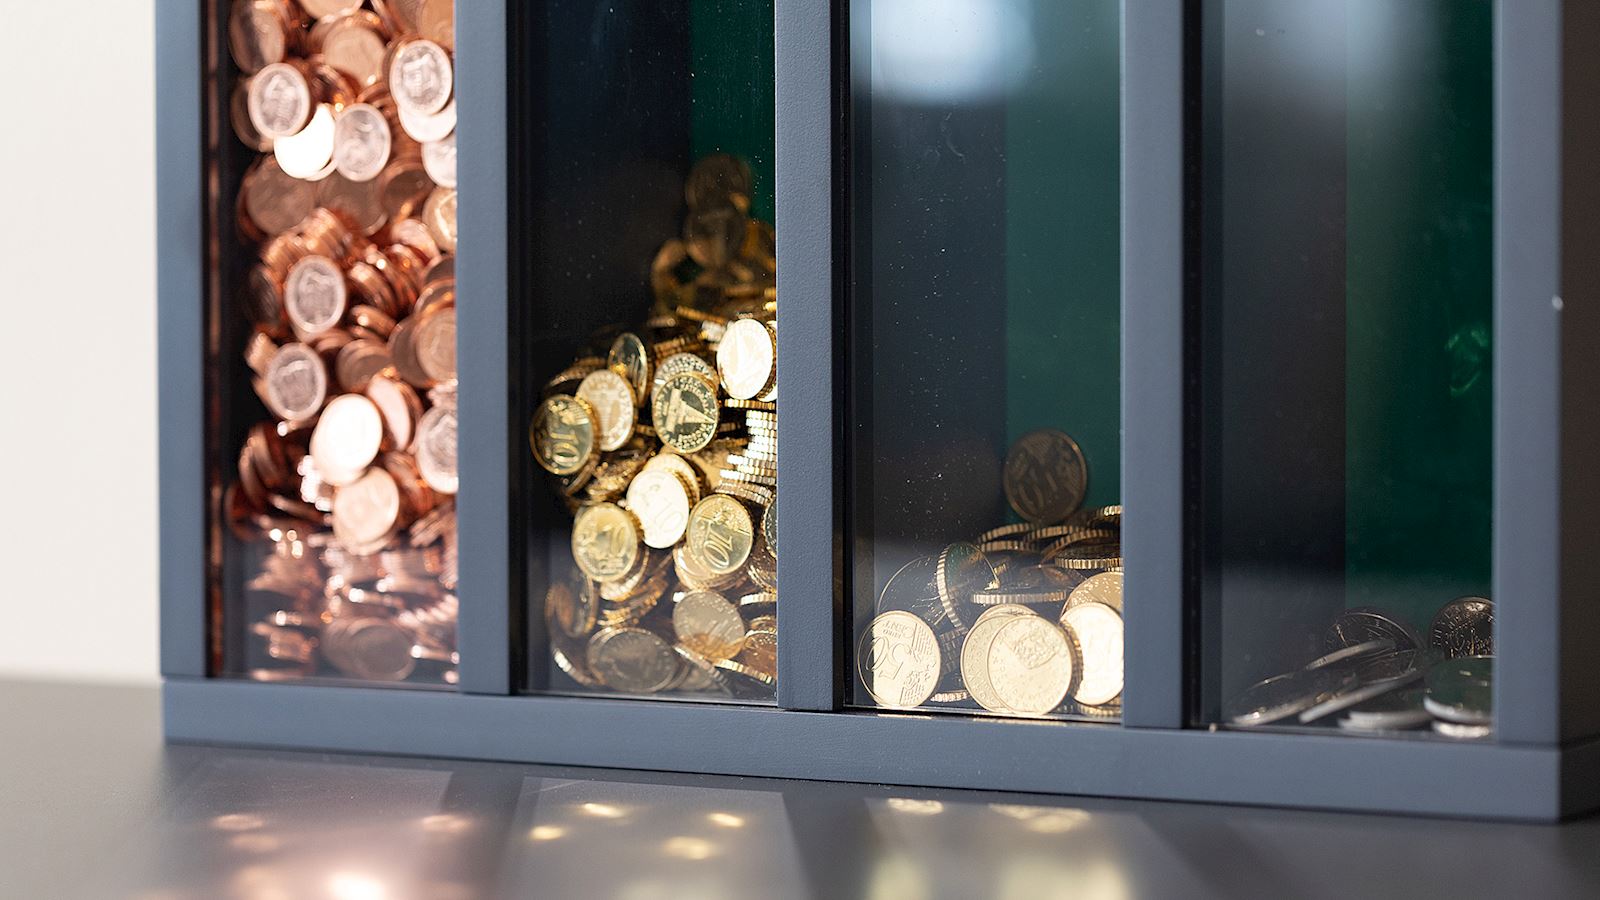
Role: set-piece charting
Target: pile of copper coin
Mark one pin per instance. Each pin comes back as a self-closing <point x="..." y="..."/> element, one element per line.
<point x="344" y="503"/>
<point x="661" y="441"/>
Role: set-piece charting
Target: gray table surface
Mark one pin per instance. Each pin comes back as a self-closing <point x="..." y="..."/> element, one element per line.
<point x="93" y="804"/>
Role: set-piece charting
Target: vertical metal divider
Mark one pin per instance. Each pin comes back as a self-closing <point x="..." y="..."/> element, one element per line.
<point x="180" y="312"/>
<point x="486" y="515"/>
<point x="1527" y="565"/>
<point x="1153" y="361"/>
<point x="809" y="589"/>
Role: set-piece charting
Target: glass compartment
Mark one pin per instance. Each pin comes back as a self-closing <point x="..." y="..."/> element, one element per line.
<point x="330" y="313"/>
<point x="1346" y="402"/>
<point x="643" y="210"/>
<point x="984" y="326"/>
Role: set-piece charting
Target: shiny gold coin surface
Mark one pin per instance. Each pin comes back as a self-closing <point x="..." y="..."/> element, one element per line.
<point x="632" y="660"/>
<point x="720" y="534"/>
<point x="563" y="434"/>
<point x="573" y="605"/>
<point x="605" y="541"/>
<point x="962" y="570"/>
<point x="614" y="405"/>
<point x="1045" y="476"/>
<point x="1098" y="629"/>
<point x="661" y="501"/>
<point x="975" y="656"/>
<point x="898" y="660"/>
<point x="1033" y="665"/>
<point x="631" y="359"/>
<point x="685" y="412"/>
<point x="746" y="357"/>
<point x="1103" y="588"/>
<point x="707" y="623"/>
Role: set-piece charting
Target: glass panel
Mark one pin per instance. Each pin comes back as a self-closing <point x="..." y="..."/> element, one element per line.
<point x="1347" y="404"/>
<point x="985" y="351"/>
<point x="646" y="197"/>
<point x="331" y="340"/>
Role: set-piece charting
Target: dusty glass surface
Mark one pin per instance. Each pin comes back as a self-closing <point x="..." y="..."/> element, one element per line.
<point x="1346" y="403"/>
<point x="984" y="329"/>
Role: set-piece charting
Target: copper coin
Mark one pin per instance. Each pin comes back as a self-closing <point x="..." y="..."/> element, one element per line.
<point x="435" y="343"/>
<point x="421" y="77"/>
<point x="274" y="201"/>
<point x="436" y="449"/>
<point x="436" y="21"/>
<point x="308" y="153"/>
<point x="279" y="100"/>
<point x="258" y="34"/>
<point x="314" y="295"/>
<point x="361" y="142"/>
<point x="366" y="512"/>
<point x="239" y="117"/>
<point x="353" y="45"/>
<point x="439" y="214"/>
<point x="399" y="405"/>
<point x="321" y="9"/>
<point x="359" y="202"/>
<point x="404" y="187"/>
<point x="297" y="383"/>
<point x="359" y="362"/>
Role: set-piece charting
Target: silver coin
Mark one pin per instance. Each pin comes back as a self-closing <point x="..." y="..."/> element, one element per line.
<point x="1353" y="652"/>
<point x="1282" y="696"/>
<point x="1462" y="690"/>
<point x="1362" y="624"/>
<point x="1463" y="627"/>
<point x="1462" y="732"/>
<point x="1355" y="695"/>
<point x="1388" y="665"/>
<point x="1394" y="710"/>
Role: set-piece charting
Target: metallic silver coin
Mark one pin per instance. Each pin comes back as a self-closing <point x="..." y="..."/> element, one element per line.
<point x="1282" y="696"/>
<point x="1356" y="695"/>
<point x="1357" y="626"/>
<point x="1462" y="732"/>
<point x="1463" y="627"/>
<point x="1388" y="665"/>
<point x="1462" y="690"/>
<point x="1393" y="711"/>
<point x="1353" y="652"/>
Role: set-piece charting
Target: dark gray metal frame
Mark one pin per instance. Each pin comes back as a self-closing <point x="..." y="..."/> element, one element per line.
<point x="1540" y="767"/>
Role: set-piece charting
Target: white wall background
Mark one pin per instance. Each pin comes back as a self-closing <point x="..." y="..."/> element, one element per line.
<point x="77" y="342"/>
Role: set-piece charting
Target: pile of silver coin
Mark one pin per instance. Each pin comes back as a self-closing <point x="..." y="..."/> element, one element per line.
<point x="1379" y="676"/>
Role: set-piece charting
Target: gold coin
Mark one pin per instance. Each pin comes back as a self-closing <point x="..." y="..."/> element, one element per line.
<point x="898" y="660"/>
<point x="708" y="624"/>
<point x="612" y="399"/>
<point x="605" y="541"/>
<point x="572" y="605"/>
<point x="1033" y="665"/>
<point x="632" y="660"/>
<point x="760" y="651"/>
<point x="685" y="412"/>
<point x="975" y="656"/>
<point x="631" y="359"/>
<point x="1045" y="476"/>
<point x="962" y="570"/>
<point x="678" y="364"/>
<point x="720" y="534"/>
<point x="746" y="358"/>
<point x="1098" y="629"/>
<point x="1104" y="588"/>
<point x="661" y="501"/>
<point x="563" y="434"/>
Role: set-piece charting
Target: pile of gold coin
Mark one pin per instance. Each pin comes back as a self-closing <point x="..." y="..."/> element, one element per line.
<point x="1025" y="620"/>
<point x="662" y="444"/>
<point x="351" y="206"/>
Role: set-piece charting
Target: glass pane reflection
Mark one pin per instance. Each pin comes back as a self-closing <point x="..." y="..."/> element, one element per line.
<point x="985" y="351"/>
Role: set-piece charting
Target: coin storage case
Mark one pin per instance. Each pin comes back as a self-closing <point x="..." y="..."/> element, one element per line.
<point x="1255" y="333"/>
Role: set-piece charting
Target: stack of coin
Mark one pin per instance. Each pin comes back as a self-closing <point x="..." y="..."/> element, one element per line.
<point x="1377" y="676"/>
<point x="1024" y="621"/>
<point x="662" y="444"/>
<point x="351" y="205"/>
